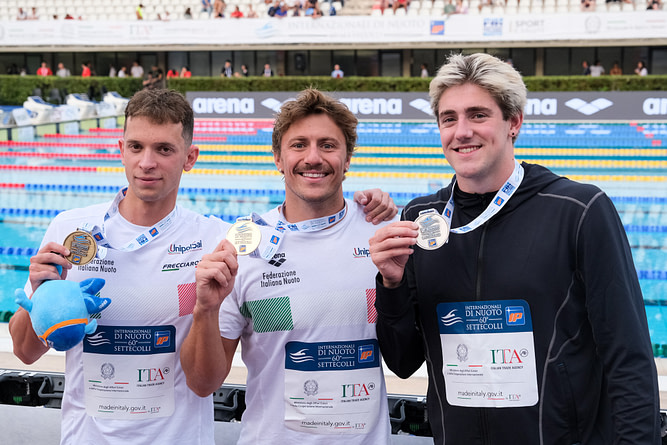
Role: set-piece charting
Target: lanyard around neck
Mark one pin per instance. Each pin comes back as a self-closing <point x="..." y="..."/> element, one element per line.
<point x="145" y="237"/>
<point x="282" y="227"/>
<point x="499" y="200"/>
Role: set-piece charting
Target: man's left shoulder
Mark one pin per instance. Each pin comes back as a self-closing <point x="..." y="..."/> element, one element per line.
<point x="573" y="189"/>
<point x="545" y="181"/>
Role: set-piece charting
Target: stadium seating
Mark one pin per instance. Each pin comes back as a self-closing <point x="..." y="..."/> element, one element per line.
<point x="125" y="9"/>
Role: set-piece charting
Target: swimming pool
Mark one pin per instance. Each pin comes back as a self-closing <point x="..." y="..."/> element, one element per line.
<point x="235" y="175"/>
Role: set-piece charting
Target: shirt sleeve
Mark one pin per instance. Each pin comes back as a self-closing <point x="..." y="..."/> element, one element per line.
<point x="618" y="319"/>
<point x="397" y="330"/>
<point x="231" y="321"/>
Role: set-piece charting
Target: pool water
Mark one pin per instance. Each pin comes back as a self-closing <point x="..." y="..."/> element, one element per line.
<point x="235" y="175"/>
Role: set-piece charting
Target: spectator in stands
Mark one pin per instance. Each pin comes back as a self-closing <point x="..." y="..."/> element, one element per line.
<point x="148" y="82"/>
<point x="187" y="14"/>
<point x="641" y="69"/>
<point x="400" y="4"/>
<point x="22" y="15"/>
<point x="112" y="71"/>
<point x="136" y="70"/>
<point x="158" y="77"/>
<point x="424" y="71"/>
<point x="312" y="7"/>
<point x="337" y="73"/>
<point x="185" y="73"/>
<point x="296" y="6"/>
<point x="597" y="69"/>
<point x="86" y="70"/>
<point x="122" y="72"/>
<point x="227" y="69"/>
<point x="283" y="10"/>
<point x="140" y="12"/>
<point x="252" y="14"/>
<point x="484" y="3"/>
<point x="586" y="69"/>
<point x="44" y="70"/>
<point x="461" y="8"/>
<point x="268" y="72"/>
<point x="244" y="70"/>
<point x="172" y="73"/>
<point x="588" y="5"/>
<point x="236" y="14"/>
<point x="277" y="9"/>
<point x="450" y="8"/>
<point x="219" y="7"/>
<point x="34" y="15"/>
<point x="271" y="12"/>
<point x="615" y="69"/>
<point x="207" y="7"/>
<point x="62" y="71"/>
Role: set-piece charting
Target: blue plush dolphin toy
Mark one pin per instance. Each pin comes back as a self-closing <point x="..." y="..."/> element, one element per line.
<point x="59" y="310"/>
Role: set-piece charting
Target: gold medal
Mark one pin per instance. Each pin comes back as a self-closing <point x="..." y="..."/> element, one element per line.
<point x="245" y="236"/>
<point x="433" y="231"/>
<point x="82" y="247"/>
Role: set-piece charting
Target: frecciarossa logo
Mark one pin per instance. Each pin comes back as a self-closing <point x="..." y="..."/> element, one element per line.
<point x="170" y="267"/>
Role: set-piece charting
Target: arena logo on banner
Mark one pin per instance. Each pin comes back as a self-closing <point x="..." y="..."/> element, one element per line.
<point x="221" y="105"/>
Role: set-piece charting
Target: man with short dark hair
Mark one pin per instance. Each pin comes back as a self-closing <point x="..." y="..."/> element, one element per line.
<point x="121" y="387"/>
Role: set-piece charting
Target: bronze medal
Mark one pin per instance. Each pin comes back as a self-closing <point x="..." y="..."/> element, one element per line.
<point x="82" y="247"/>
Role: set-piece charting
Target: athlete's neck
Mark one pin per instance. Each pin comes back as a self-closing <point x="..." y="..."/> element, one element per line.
<point x="488" y="183"/>
<point x="294" y="213"/>
<point x="142" y="213"/>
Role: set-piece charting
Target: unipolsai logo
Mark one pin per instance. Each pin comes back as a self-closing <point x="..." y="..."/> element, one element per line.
<point x="361" y="252"/>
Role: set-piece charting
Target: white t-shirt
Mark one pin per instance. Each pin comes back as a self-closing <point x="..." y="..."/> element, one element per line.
<point x="306" y="320"/>
<point x="137" y="71"/>
<point x="124" y="383"/>
<point x="597" y="70"/>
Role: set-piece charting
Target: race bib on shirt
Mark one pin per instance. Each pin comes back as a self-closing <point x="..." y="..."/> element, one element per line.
<point x="333" y="387"/>
<point x="488" y="353"/>
<point x="129" y="371"/>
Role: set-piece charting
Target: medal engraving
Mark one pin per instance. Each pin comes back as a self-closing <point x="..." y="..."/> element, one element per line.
<point x="245" y="236"/>
<point x="82" y="247"/>
<point x="433" y="231"/>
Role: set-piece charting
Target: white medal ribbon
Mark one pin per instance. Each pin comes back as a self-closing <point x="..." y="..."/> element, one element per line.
<point x="498" y="202"/>
<point x="141" y="240"/>
<point x="278" y="233"/>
